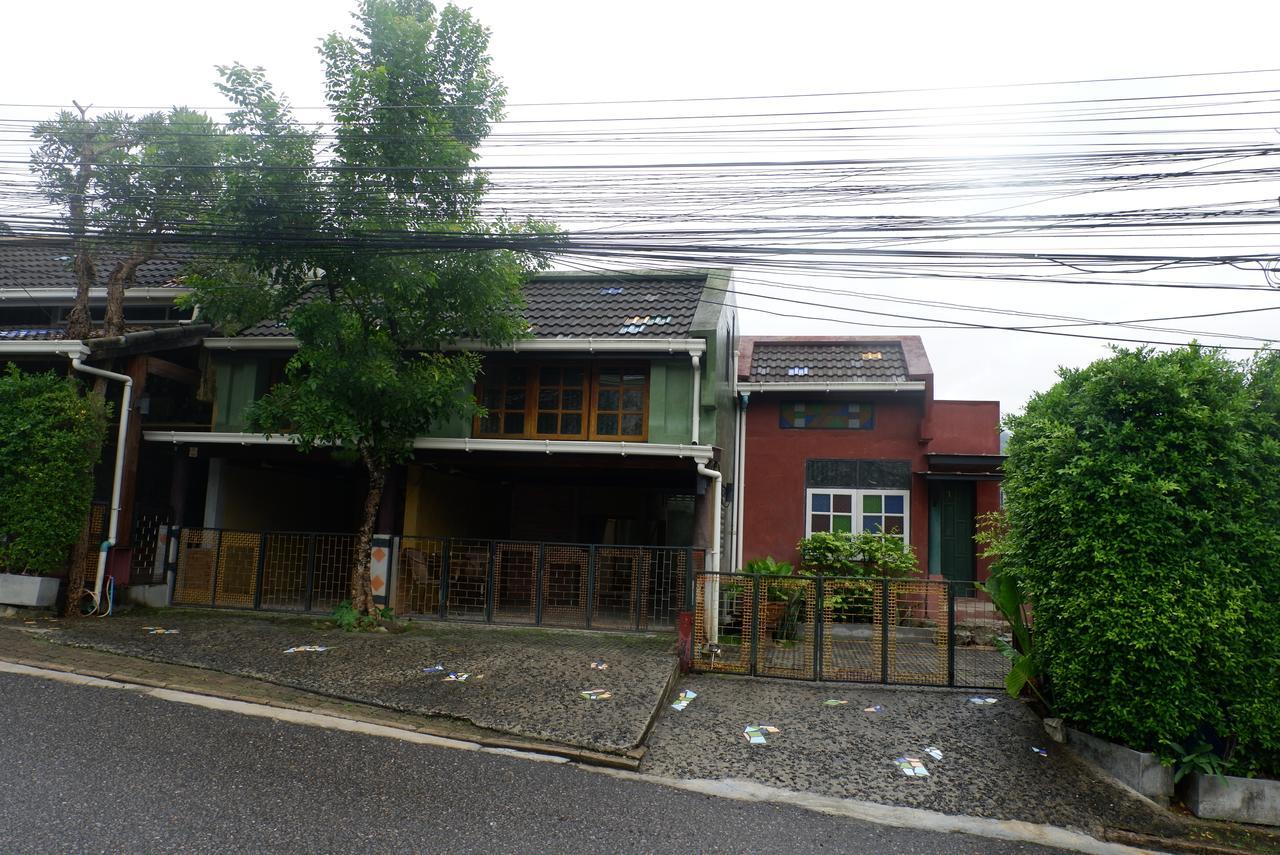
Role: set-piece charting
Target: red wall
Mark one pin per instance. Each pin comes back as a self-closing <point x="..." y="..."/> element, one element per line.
<point x="774" y="501"/>
<point x="966" y="427"/>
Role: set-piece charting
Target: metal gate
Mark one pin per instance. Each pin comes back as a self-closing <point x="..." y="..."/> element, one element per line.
<point x="931" y="632"/>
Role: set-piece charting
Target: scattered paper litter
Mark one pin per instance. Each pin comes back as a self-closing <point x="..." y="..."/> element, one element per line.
<point x="434" y="669"/>
<point x="982" y="701"/>
<point x="1042" y="752"/>
<point x="935" y="753"/>
<point x="912" y="767"/>
<point x="754" y="733"/>
<point x="159" y="630"/>
<point x="874" y="709"/>
<point x="455" y="677"/>
<point x="682" y="700"/>
<point x="595" y="695"/>
<point x="599" y="665"/>
<point x="307" y="648"/>
<point x="833" y="702"/>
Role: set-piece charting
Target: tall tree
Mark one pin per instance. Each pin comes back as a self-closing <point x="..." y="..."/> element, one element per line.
<point x="323" y="242"/>
<point x="124" y="184"/>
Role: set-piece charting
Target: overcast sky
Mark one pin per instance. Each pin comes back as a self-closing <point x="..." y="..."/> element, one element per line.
<point x="139" y="54"/>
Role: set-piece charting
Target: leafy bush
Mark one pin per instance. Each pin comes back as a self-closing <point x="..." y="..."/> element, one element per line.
<point x="1143" y="521"/>
<point x="865" y="554"/>
<point x="347" y="619"/>
<point x="768" y="567"/>
<point x="52" y="436"/>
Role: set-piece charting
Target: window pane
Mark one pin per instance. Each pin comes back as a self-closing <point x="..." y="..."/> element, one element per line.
<point x="842" y="523"/>
<point x="515" y="376"/>
<point x="571" y="423"/>
<point x="607" y="400"/>
<point x="572" y="377"/>
<point x="571" y="399"/>
<point x="893" y="525"/>
<point x="489" y="424"/>
<point x="633" y="401"/>
<point x="513" y="423"/>
<point x="872" y="524"/>
<point x="820" y="522"/>
<point x="607" y="424"/>
<point x="515" y="398"/>
<point x="609" y="378"/>
<point x="842" y="503"/>
<point x="547" y="422"/>
<point x="548" y="399"/>
<point x="872" y="504"/>
<point x="549" y="377"/>
<point x="633" y="378"/>
<point x="893" y="504"/>
<point x="820" y="502"/>
<point x="632" y="425"/>
<point x="493" y="397"/>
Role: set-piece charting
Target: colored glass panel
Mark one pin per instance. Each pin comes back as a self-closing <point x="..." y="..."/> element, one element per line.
<point x="826" y="415"/>
<point x="893" y="504"/>
<point x="820" y="522"/>
<point x="872" y="503"/>
<point x="872" y="523"/>
<point x="842" y="503"/>
<point x="842" y="523"/>
<point x="821" y="502"/>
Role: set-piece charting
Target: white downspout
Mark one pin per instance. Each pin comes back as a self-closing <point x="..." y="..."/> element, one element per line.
<point x="711" y="582"/>
<point x="113" y="525"/>
<point x="697" y="395"/>
<point x="741" y="478"/>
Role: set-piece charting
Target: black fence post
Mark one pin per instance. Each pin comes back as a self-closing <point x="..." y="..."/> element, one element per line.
<point x="755" y="621"/>
<point x="819" y="629"/>
<point x="538" y="575"/>
<point x="262" y="565"/>
<point x="488" y="585"/>
<point x="884" y="630"/>
<point x="217" y="563"/>
<point x="444" y="579"/>
<point x="690" y="577"/>
<point x="310" y="570"/>
<point x="951" y="633"/>
<point x="591" y="583"/>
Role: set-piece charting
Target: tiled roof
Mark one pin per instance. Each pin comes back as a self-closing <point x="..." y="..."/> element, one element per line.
<point x="834" y="362"/>
<point x="560" y="306"/>
<point x="35" y="265"/>
<point x="640" y="307"/>
<point x="31" y="333"/>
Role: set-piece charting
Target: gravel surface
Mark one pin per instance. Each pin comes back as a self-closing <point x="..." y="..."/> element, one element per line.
<point x="523" y="681"/>
<point x="195" y="780"/>
<point x="987" y="768"/>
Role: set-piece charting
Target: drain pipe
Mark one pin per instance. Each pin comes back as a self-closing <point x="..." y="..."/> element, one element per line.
<point x="711" y="581"/>
<point x="740" y="489"/>
<point x="697" y="395"/>
<point x="113" y="525"/>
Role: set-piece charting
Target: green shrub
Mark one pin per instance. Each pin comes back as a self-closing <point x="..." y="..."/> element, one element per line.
<point x="346" y="618"/>
<point x="1143" y="522"/>
<point x="50" y="437"/>
<point x="865" y="554"/>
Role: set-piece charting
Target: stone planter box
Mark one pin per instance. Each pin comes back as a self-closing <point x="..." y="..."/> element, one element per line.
<point x="1140" y="771"/>
<point x="1253" y="800"/>
<point x="30" y="591"/>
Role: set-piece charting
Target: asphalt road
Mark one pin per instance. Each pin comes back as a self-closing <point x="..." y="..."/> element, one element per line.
<point x="86" y="769"/>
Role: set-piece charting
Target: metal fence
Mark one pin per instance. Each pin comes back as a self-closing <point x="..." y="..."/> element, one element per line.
<point x="908" y="631"/>
<point x="493" y="581"/>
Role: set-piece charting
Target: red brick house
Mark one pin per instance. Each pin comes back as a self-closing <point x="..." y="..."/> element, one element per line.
<point x="844" y="434"/>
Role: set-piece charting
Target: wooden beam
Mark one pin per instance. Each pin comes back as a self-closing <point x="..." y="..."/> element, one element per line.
<point x="172" y="371"/>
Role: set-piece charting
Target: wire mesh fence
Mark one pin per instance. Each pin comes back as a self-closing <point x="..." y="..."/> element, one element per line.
<point x="496" y="581"/>
<point x="907" y="631"/>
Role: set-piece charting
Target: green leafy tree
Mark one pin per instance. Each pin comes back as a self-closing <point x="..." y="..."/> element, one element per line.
<point x="318" y="241"/>
<point x="52" y="438"/>
<point x="123" y="184"/>
<point x="1143" y="523"/>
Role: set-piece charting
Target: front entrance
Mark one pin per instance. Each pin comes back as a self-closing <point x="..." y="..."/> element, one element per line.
<point x="951" y="530"/>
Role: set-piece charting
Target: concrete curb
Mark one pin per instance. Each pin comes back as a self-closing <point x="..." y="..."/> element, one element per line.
<point x="1137" y="771"/>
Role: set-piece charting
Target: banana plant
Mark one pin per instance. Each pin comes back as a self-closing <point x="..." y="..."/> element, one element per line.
<point x="1024" y="655"/>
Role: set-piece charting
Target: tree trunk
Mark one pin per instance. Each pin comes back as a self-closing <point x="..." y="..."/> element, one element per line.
<point x="113" y="319"/>
<point x="361" y="586"/>
<point x="76" y="569"/>
<point x="79" y="321"/>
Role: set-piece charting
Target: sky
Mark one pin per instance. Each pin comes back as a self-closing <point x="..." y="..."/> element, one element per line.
<point x="155" y="54"/>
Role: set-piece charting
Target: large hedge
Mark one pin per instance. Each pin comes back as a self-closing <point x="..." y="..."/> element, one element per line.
<point x="50" y="437"/>
<point x="1143" y="511"/>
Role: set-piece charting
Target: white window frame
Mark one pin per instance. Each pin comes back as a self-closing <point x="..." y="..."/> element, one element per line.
<point x="856" y="505"/>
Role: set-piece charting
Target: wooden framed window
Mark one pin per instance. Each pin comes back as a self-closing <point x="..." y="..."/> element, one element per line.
<point x="564" y="400"/>
<point x="620" y="409"/>
<point x="561" y="402"/>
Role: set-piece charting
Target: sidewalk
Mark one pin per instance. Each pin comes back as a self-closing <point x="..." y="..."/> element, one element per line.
<point x="523" y="682"/>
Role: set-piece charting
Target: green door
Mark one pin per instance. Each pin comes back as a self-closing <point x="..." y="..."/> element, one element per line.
<point x="951" y="538"/>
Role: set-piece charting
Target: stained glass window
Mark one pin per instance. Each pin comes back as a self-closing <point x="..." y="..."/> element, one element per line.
<point x="877" y="511"/>
<point x="826" y="415"/>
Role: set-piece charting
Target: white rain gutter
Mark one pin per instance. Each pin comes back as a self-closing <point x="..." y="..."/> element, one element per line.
<point x="534" y="345"/>
<point x="44" y="295"/>
<point x="697" y="394"/>
<point x="889" y="386"/>
<point x="701" y="453"/>
<point x="73" y="348"/>
<point x="126" y="403"/>
<point x="711" y="581"/>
